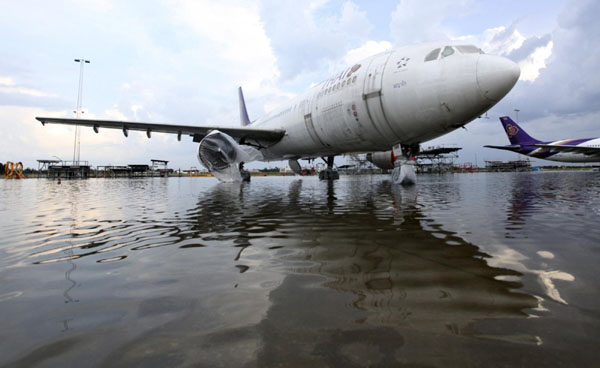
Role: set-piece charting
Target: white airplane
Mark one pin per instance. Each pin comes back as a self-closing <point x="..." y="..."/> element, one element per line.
<point x="405" y="96"/>
<point x="566" y="150"/>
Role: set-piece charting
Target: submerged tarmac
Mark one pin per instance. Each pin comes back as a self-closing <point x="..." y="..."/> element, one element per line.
<point x="461" y="270"/>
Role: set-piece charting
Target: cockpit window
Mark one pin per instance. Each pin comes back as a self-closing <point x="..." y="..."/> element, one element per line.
<point x="469" y="49"/>
<point x="447" y="51"/>
<point x="433" y="55"/>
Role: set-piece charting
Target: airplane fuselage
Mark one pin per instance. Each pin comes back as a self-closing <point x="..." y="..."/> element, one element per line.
<point x="549" y="154"/>
<point x="395" y="97"/>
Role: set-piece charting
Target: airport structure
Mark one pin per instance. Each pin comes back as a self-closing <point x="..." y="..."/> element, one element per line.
<point x="500" y="166"/>
<point x="54" y="169"/>
<point x="437" y="159"/>
<point x="65" y="169"/>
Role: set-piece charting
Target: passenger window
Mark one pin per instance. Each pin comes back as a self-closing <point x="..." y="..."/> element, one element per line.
<point x="433" y="55"/>
<point x="343" y="83"/>
<point x="354" y="79"/>
<point x="447" y="51"/>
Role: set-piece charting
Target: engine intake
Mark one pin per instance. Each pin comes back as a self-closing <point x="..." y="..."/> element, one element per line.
<point x="221" y="155"/>
<point x="216" y="152"/>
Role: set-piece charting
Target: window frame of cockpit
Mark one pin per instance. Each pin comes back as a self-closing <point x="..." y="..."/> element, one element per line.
<point x="430" y="56"/>
<point x="443" y="54"/>
<point x="446" y="51"/>
<point x="468" y="49"/>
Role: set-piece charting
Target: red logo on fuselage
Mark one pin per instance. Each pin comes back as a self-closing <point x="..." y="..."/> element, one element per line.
<point x="353" y="70"/>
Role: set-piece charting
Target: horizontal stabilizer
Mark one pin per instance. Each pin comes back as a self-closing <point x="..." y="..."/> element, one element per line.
<point x="515" y="148"/>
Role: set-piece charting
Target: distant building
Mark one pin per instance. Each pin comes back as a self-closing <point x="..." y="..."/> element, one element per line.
<point x="500" y="166"/>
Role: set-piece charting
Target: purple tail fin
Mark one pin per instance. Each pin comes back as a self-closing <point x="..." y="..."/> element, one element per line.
<point x="515" y="133"/>
<point x="244" y="119"/>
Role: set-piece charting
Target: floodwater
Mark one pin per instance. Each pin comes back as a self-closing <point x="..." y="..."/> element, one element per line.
<point x="460" y="270"/>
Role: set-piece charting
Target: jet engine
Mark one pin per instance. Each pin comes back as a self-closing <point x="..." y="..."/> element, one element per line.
<point x="383" y="160"/>
<point x="221" y="155"/>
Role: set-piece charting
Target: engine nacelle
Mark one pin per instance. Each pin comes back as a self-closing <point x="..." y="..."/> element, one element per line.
<point x="383" y="160"/>
<point x="221" y="155"/>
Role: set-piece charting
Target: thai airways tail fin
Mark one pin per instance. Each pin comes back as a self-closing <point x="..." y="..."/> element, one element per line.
<point x="515" y="133"/>
<point x="244" y="119"/>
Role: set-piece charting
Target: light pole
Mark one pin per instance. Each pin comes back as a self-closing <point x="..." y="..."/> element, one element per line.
<point x="517" y="111"/>
<point x="77" y="144"/>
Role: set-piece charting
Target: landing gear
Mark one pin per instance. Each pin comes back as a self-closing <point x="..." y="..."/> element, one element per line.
<point x="244" y="173"/>
<point x="404" y="166"/>
<point x="410" y="150"/>
<point x="329" y="173"/>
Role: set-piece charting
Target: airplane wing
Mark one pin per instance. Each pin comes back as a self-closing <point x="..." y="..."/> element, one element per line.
<point x="261" y="137"/>
<point x="515" y="148"/>
<point x="570" y="148"/>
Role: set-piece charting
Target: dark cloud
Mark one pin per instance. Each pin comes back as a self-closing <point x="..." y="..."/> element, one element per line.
<point x="506" y="33"/>
<point x="528" y="47"/>
<point x="563" y="102"/>
<point x="570" y="83"/>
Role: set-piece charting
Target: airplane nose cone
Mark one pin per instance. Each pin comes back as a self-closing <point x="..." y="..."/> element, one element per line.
<point x="496" y="76"/>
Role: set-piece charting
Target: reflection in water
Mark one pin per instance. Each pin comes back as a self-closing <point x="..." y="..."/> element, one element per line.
<point x="68" y="298"/>
<point x="371" y="247"/>
<point x="528" y="193"/>
<point x="69" y="258"/>
<point x="522" y="203"/>
<point x="349" y="273"/>
<point x="406" y="277"/>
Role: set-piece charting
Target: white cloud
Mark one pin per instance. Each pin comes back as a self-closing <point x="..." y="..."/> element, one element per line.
<point x="509" y="42"/>
<point x="7" y="81"/>
<point x="415" y="21"/>
<point x="110" y="114"/>
<point x="26" y="91"/>
<point x="365" y="50"/>
<point x="8" y="85"/>
<point x="353" y="22"/>
<point x="26" y="140"/>
<point x="304" y="40"/>
<point x="237" y="34"/>
<point x="135" y="109"/>
<point x="530" y="67"/>
<point x="502" y="40"/>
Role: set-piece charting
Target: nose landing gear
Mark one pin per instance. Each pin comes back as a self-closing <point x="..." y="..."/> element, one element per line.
<point x="404" y="166"/>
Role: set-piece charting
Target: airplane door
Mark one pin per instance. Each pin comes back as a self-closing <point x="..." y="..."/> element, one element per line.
<point x="308" y="121"/>
<point x="372" y="91"/>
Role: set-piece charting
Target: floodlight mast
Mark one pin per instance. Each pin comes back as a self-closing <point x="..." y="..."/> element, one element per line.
<point x="77" y="144"/>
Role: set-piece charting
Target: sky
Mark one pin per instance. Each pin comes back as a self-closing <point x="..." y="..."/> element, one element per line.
<point x="181" y="61"/>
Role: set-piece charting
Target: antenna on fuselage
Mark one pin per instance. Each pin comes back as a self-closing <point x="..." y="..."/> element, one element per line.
<point x="244" y="119"/>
